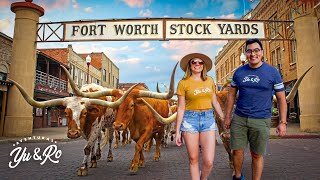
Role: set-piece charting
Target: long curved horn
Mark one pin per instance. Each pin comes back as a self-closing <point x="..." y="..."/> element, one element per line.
<point x="159" y="118"/>
<point x="168" y="95"/>
<point x="112" y="104"/>
<point x="294" y="90"/>
<point x="32" y="102"/>
<point x="106" y="92"/>
<point x="158" y="90"/>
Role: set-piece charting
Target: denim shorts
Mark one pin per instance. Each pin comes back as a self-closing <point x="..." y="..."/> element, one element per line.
<point x="195" y="122"/>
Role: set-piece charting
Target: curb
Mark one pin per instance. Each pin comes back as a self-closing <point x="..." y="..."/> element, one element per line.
<point x="296" y="136"/>
<point x="12" y="141"/>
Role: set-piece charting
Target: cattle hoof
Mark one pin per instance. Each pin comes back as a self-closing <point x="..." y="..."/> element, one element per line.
<point x="93" y="165"/>
<point x="110" y="158"/>
<point x="130" y="141"/>
<point x="141" y="164"/>
<point x="133" y="170"/>
<point x="231" y="165"/>
<point x="123" y="143"/>
<point x="156" y="158"/>
<point x="82" y="171"/>
<point x="115" y="146"/>
<point x="98" y="156"/>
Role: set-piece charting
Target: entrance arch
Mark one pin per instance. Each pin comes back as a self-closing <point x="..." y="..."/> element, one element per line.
<point x="19" y="123"/>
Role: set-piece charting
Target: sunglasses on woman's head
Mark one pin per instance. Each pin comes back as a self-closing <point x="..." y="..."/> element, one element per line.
<point x="195" y="61"/>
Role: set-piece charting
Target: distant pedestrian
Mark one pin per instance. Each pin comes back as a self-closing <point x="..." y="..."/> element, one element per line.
<point x="251" y="121"/>
<point x="195" y="120"/>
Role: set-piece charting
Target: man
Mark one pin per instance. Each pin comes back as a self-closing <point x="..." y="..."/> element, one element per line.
<point x="255" y="82"/>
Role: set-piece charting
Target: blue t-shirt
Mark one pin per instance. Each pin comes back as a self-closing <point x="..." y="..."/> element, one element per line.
<point x="255" y="87"/>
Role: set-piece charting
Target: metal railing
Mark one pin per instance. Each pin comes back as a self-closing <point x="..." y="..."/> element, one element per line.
<point x="53" y="82"/>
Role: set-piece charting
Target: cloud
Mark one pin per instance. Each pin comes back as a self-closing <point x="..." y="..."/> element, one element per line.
<point x="145" y="44"/>
<point x="149" y="50"/>
<point x="52" y="5"/>
<point x="200" y="4"/>
<point x="154" y="68"/>
<point x="145" y="13"/>
<point x="228" y="16"/>
<point x="88" y="9"/>
<point x="75" y="4"/>
<point x="129" y="61"/>
<point x="182" y="48"/>
<point x="228" y="6"/>
<point x="5" y="3"/>
<point x="4" y="24"/>
<point x="137" y="3"/>
<point x="189" y="14"/>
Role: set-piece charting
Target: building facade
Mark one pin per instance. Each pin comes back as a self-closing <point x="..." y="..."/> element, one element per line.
<point x="282" y="54"/>
<point x="5" y="59"/>
<point x="108" y="70"/>
<point x="51" y="82"/>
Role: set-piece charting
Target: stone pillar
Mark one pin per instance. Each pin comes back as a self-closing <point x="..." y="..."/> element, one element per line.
<point x="308" y="54"/>
<point x="19" y="118"/>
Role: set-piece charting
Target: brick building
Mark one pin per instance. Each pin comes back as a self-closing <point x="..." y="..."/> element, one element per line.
<point x="279" y="53"/>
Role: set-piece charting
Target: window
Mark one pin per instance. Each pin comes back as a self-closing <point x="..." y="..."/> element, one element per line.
<point x="279" y="58"/>
<point x="293" y="52"/>
<point x="3" y="76"/>
<point x="274" y="59"/>
<point x="274" y="26"/>
<point x="233" y="63"/>
<point x="227" y="66"/>
<point x="104" y="75"/>
<point x="72" y="70"/>
<point x="117" y="83"/>
<point x="109" y="78"/>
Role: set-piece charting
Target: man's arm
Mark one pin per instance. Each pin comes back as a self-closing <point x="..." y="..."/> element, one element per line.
<point x="229" y="106"/>
<point x="282" y="106"/>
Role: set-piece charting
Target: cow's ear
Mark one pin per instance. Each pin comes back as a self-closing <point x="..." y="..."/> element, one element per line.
<point x="138" y="101"/>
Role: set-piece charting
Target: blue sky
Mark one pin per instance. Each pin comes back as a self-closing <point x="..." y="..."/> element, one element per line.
<point x="139" y="61"/>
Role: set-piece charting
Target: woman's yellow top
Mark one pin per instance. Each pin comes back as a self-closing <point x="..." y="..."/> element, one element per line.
<point x="198" y="94"/>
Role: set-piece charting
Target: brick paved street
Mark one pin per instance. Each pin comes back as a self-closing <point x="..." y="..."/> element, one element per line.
<point x="285" y="159"/>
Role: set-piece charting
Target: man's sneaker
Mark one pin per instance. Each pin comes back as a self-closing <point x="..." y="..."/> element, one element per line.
<point x="240" y="178"/>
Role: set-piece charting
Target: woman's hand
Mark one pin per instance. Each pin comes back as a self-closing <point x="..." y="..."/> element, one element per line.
<point x="178" y="138"/>
<point x="227" y="122"/>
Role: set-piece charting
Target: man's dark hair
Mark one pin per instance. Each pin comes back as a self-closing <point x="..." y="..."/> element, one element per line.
<point x="255" y="40"/>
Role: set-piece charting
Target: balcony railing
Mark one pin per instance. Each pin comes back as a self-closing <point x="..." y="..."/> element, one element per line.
<point x="53" y="82"/>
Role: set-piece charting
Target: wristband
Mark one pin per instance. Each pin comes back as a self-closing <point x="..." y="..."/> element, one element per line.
<point x="282" y="122"/>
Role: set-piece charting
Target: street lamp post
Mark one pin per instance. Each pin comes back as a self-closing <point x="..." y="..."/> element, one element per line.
<point x="243" y="59"/>
<point x="88" y="60"/>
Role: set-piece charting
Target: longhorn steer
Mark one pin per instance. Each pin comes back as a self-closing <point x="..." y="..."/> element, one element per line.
<point x="140" y="121"/>
<point x="85" y="117"/>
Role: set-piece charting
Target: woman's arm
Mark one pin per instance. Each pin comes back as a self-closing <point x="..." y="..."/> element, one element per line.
<point x="180" y="113"/>
<point x="217" y="106"/>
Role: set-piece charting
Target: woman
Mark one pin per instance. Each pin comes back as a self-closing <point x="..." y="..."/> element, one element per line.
<point x="195" y="121"/>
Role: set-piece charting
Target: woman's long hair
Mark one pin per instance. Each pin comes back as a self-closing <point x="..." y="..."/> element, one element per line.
<point x="188" y="72"/>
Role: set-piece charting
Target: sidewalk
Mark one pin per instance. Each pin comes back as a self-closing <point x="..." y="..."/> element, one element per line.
<point x="53" y="133"/>
<point x="60" y="134"/>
